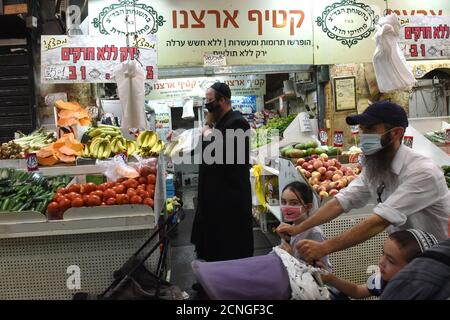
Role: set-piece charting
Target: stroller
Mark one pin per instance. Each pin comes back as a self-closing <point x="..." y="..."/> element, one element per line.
<point x="133" y="281"/>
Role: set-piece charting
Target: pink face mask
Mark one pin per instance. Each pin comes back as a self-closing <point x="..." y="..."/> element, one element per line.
<point x="292" y="213"/>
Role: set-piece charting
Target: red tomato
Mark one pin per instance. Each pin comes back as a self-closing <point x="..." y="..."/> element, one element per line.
<point x="86" y="198"/>
<point x="109" y="193"/>
<point x="89" y="187"/>
<point x="142" y="180"/>
<point x="75" y="188"/>
<point x="110" y="185"/>
<point x="131" y="192"/>
<point x="77" y="202"/>
<point x="94" y="201"/>
<point x="144" y="171"/>
<point x="111" y="201"/>
<point x="151" y="179"/>
<point x="59" y="198"/>
<point x="64" y="204"/>
<point x="136" y="200"/>
<point x="153" y="170"/>
<point x="150" y="187"/>
<point x="62" y="191"/>
<point x="120" y="188"/>
<point x="72" y="195"/>
<point x="102" y="187"/>
<point x="98" y="193"/>
<point x="121" y="180"/>
<point x="143" y="194"/>
<point x="125" y="199"/>
<point x="103" y="204"/>
<point x="148" y="202"/>
<point x="151" y="193"/>
<point x="141" y="187"/>
<point x="53" y="208"/>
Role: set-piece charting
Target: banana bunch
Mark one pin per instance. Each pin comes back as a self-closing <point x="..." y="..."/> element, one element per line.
<point x="119" y="144"/>
<point x="100" y="148"/>
<point x="132" y="147"/>
<point x="149" y="144"/>
<point x="169" y="148"/>
<point x="103" y="131"/>
<point x="86" y="152"/>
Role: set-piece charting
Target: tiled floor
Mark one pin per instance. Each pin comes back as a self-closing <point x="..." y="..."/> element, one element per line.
<point x="183" y="251"/>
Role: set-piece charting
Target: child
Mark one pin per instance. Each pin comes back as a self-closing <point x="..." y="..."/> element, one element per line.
<point x="399" y="249"/>
<point x="296" y="206"/>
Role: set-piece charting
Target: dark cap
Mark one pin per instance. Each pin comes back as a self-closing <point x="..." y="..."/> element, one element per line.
<point x="380" y="112"/>
<point x="222" y="88"/>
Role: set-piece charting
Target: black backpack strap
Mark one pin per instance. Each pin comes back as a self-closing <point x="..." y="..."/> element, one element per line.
<point x="445" y="259"/>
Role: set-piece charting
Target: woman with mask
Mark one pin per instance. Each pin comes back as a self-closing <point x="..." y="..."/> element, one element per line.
<point x="408" y="188"/>
<point x="271" y="276"/>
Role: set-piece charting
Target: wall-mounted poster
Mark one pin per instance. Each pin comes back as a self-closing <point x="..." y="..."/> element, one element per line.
<point x="344" y="93"/>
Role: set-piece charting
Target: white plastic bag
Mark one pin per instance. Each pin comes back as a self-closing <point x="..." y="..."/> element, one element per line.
<point x="188" y="109"/>
<point x="187" y="141"/>
<point x="117" y="168"/>
<point x="131" y="88"/>
<point x="391" y="71"/>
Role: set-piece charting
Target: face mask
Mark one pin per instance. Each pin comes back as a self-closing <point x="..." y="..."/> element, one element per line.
<point x="292" y="213"/>
<point x="370" y="143"/>
<point x="211" y="106"/>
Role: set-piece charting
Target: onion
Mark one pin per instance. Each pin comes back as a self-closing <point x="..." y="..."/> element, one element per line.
<point x="305" y="165"/>
<point x="333" y="192"/>
<point x="336" y="177"/>
<point x="300" y="161"/>
<point x="329" y="175"/>
<point x="317" y="164"/>
<point x="322" y="170"/>
<point x="310" y="168"/>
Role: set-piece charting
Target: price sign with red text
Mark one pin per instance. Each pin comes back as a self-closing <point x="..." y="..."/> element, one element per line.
<point x="338" y="140"/>
<point x="425" y="37"/>
<point x="74" y="59"/>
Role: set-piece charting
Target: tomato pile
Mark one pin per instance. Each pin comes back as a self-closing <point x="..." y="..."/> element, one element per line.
<point x="139" y="190"/>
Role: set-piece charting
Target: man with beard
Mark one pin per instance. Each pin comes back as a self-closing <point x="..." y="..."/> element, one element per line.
<point x="410" y="189"/>
<point x="223" y="227"/>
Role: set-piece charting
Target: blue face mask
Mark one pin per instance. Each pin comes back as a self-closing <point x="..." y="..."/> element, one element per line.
<point x="370" y="143"/>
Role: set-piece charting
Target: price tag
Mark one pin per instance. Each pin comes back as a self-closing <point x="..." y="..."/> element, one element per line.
<point x="214" y="60"/>
<point x="305" y="123"/>
<point x="408" y="141"/>
<point x="338" y="140"/>
<point x="32" y="162"/>
<point x="355" y="129"/>
<point x="323" y="137"/>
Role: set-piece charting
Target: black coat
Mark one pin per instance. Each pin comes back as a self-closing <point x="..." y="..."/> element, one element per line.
<point x="223" y="226"/>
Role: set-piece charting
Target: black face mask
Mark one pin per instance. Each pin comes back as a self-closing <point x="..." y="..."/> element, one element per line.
<point x="212" y="106"/>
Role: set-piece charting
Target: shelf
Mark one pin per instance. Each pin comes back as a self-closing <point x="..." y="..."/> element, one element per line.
<point x="71" y="170"/>
<point x="102" y="219"/>
<point x="282" y="97"/>
<point x="276" y="211"/>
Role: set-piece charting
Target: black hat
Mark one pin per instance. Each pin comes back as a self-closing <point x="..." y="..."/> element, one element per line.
<point x="222" y="88"/>
<point x="380" y="112"/>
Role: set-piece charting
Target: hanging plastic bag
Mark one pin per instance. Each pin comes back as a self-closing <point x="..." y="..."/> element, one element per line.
<point x="186" y="142"/>
<point x="131" y="89"/>
<point x="391" y="71"/>
<point x="188" y="109"/>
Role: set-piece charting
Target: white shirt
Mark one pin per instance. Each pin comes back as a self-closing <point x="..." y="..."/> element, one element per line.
<point x="418" y="199"/>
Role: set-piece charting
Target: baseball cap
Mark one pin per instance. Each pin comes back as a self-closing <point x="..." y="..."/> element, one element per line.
<point x="380" y="112"/>
<point x="222" y="88"/>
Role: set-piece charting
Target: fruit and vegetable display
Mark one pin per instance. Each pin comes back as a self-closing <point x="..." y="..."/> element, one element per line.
<point x="447" y="174"/>
<point x="71" y="114"/>
<point x="104" y="141"/>
<point x="310" y="148"/>
<point x="326" y="176"/>
<point x="140" y="190"/>
<point x="65" y="149"/>
<point x="24" y="191"/>
<point x="436" y="136"/>
<point x="274" y="127"/>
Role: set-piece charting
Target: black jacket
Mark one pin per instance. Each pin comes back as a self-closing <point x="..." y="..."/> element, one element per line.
<point x="427" y="277"/>
<point x="223" y="228"/>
